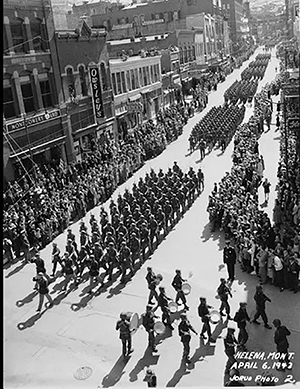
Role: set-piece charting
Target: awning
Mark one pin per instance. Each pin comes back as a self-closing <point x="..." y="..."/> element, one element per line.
<point x="40" y="148"/>
<point x="135" y="97"/>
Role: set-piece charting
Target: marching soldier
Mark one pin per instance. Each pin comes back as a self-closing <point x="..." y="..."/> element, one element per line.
<point x="163" y="302"/>
<point x="184" y="329"/>
<point x="123" y="325"/>
<point x="223" y="293"/>
<point x="94" y="272"/>
<point x="111" y="257"/>
<point x="260" y="299"/>
<point x="125" y="260"/>
<point x="55" y="258"/>
<point x="241" y="317"/>
<point x="230" y="349"/>
<point x="152" y="283"/>
<point x="177" y="285"/>
<point x="148" y="323"/>
<point x="203" y="312"/>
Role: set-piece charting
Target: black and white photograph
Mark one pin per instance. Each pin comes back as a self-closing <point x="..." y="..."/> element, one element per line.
<point x="151" y="194"/>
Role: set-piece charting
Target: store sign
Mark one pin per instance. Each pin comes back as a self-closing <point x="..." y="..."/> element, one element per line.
<point x="134" y="107"/>
<point x="21" y="124"/>
<point x="294" y="124"/>
<point x="96" y="88"/>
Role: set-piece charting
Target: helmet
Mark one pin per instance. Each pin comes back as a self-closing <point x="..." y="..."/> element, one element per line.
<point x="123" y="315"/>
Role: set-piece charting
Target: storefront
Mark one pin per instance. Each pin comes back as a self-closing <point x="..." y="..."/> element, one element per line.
<point x="24" y="145"/>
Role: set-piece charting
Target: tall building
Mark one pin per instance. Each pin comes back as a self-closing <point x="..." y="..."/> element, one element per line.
<point x="234" y="12"/>
<point x="34" y="123"/>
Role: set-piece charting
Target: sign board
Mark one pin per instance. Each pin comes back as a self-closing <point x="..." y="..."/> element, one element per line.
<point x="294" y="124"/>
<point x="31" y="121"/>
<point x="96" y="90"/>
<point x="134" y="107"/>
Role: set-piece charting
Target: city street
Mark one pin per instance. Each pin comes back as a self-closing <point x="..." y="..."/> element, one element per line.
<point x="45" y="350"/>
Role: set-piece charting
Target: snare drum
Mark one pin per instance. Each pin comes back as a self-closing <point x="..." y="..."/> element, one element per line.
<point x="186" y="288"/>
<point x="159" y="327"/>
<point x="215" y="317"/>
<point x="173" y="307"/>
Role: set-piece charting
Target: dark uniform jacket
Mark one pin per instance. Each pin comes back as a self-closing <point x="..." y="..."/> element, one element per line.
<point x="229" y="255"/>
<point x="124" y="327"/>
<point x="177" y="282"/>
<point x="148" y="321"/>
<point x="241" y="317"/>
<point x="229" y="344"/>
<point x="184" y="329"/>
<point x="260" y="299"/>
<point x="280" y="338"/>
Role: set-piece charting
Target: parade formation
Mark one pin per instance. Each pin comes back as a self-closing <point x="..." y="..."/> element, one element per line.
<point x="120" y="231"/>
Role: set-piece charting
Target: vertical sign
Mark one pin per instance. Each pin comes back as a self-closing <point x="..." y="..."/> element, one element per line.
<point x="96" y="89"/>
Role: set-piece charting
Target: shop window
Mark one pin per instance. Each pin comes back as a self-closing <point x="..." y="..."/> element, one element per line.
<point x="103" y="76"/>
<point x="71" y="83"/>
<point x="45" y="90"/>
<point x="37" y="33"/>
<point x="9" y="108"/>
<point x="114" y="83"/>
<point x="119" y="83"/>
<point x="124" y="89"/>
<point x="27" y="94"/>
<point x="128" y="80"/>
<point x="18" y="35"/>
<point x="82" y="77"/>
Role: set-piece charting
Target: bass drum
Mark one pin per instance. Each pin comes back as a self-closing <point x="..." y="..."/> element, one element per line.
<point x="134" y="321"/>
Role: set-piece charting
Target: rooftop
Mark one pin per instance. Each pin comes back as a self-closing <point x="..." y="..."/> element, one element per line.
<point x="147" y="38"/>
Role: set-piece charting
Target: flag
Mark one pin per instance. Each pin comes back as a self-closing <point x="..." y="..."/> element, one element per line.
<point x="62" y="165"/>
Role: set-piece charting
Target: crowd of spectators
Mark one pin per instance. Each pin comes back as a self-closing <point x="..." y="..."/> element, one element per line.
<point x="41" y="204"/>
<point x="265" y="249"/>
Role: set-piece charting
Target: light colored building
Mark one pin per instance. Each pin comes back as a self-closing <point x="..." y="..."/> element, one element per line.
<point x="137" y="87"/>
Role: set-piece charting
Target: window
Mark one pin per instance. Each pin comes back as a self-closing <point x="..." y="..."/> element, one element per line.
<point x="144" y="76"/>
<point x="136" y="77"/>
<point x="148" y="75"/>
<point x="45" y="90"/>
<point x="119" y="84"/>
<point x="181" y="55"/>
<point x="27" y="94"/>
<point x="124" y="89"/>
<point x="9" y="108"/>
<point x="132" y="79"/>
<point x="114" y="82"/>
<point x="18" y="35"/>
<point x="36" y="33"/>
<point x="82" y="77"/>
<point x="141" y="77"/>
<point x="152" y="73"/>
<point x="103" y="76"/>
<point x="228" y="6"/>
<point x="71" y="83"/>
<point x="128" y="80"/>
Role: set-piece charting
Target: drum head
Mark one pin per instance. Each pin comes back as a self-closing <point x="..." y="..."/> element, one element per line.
<point x="186" y="288"/>
<point x="215" y="317"/>
<point x="134" y="323"/>
<point x="159" y="327"/>
<point x="173" y="307"/>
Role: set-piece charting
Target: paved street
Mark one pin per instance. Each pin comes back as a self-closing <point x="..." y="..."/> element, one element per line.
<point x="44" y="351"/>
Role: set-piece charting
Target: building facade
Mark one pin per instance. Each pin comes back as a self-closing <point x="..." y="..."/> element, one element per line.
<point x="82" y="63"/>
<point x="34" y="123"/>
<point x="234" y="12"/>
<point x="137" y="88"/>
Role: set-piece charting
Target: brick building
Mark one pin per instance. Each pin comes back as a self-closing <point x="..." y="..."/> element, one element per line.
<point x="82" y="59"/>
<point x="34" y="124"/>
<point x="159" y="17"/>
